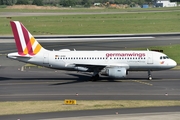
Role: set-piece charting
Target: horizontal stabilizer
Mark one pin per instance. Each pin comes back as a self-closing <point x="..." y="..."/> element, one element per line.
<point x="16" y="55"/>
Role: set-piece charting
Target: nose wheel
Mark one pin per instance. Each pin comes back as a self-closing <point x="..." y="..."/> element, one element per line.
<point x="149" y="75"/>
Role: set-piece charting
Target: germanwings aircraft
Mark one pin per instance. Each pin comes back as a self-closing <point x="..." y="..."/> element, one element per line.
<point x="114" y="64"/>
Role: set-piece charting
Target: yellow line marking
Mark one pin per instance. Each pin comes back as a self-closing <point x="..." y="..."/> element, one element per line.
<point x="145" y="83"/>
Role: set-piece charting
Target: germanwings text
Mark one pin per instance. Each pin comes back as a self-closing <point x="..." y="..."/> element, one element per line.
<point x="125" y="54"/>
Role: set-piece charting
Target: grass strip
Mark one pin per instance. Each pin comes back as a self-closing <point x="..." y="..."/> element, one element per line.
<point x="150" y="22"/>
<point x="27" y="107"/>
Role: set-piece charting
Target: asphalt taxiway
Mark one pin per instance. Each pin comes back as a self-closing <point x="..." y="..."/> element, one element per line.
<point x="157" y="113"/>
<point x="8" y="45"/>
<point x="44" y="84"/>
<point x="17" y="84"/>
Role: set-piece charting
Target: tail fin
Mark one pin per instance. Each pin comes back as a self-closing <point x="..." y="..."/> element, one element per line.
<point x="25" y="42"/>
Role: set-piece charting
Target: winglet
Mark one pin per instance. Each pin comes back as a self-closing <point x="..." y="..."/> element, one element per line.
<point x="25" y="42"/>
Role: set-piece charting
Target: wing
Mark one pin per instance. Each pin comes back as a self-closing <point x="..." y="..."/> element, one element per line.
<point x="92" y="66"/>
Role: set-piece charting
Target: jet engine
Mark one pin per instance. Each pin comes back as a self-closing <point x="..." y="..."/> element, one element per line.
<point x="81" y="69"/>
<point x="114" y="72"/>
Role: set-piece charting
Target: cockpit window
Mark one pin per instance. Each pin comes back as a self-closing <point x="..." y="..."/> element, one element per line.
<point x="164" y="57"/>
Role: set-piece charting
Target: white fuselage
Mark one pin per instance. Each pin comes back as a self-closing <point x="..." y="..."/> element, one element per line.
<point x="131" y="60"/>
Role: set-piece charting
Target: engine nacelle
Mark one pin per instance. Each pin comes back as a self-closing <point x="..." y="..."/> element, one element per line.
<point x="115" y="72"/>
<point x="81" y="69"/>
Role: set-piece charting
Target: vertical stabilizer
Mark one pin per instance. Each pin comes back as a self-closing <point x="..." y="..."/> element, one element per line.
<point x="25" y="42"/>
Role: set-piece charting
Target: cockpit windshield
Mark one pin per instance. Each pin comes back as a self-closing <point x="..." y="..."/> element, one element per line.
<point x="164" y="57"/>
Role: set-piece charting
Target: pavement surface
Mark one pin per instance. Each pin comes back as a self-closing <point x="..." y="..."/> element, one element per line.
<point x="45" y="84"/>
<point x="8" y="46"/>
<point x="140" y="116"/>
<point x="157" y="113"/>
<point x="15" y="14"/>
<point x="20" y="84"/>
<point x="148" y="116"/>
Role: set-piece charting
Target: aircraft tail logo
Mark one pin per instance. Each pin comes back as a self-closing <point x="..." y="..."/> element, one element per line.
<point x="25" y="42"/>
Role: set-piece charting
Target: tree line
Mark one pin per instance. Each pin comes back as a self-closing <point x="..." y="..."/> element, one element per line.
<point x="67" y="3"/>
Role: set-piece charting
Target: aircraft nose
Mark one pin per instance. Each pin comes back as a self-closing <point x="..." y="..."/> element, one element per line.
<point x="173" y="63"/>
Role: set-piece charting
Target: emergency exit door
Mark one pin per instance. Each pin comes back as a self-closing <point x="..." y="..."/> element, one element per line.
<point x="150" y="58"/>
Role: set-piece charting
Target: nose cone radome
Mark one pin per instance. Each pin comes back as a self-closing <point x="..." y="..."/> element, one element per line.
<point x="172" y="63"/>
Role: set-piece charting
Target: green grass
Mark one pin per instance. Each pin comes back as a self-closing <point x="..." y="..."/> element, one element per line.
<point x="156" y="22"/>
<point x="26" y="107"/>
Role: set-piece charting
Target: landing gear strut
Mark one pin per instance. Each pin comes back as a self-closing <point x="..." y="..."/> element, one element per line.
<point x="95" y="75"/>
<point x="149" y="75"/>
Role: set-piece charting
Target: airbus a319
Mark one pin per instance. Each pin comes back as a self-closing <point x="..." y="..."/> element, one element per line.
<point x="114" y="64"/>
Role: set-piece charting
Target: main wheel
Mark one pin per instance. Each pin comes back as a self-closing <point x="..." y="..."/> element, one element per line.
<point x="95" y="78"/>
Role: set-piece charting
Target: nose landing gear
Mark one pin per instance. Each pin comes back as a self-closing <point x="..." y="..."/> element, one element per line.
<point x="149" y="75"/>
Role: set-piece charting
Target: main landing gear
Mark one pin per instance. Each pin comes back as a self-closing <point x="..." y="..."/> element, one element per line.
<point x="149" y="75"/>
<point x="94" y="77"/>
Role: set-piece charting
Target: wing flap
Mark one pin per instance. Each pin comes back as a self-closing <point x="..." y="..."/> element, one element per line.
<point x="101" y="66"/>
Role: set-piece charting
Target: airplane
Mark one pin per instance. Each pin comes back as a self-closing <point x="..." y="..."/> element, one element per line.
<point x="114" y="64"/>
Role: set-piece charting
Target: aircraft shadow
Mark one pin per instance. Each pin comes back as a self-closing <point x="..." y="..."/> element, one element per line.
<point x="75" y="79"/>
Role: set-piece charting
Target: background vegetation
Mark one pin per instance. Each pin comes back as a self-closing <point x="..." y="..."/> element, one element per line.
<point x="72" y="3"/>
